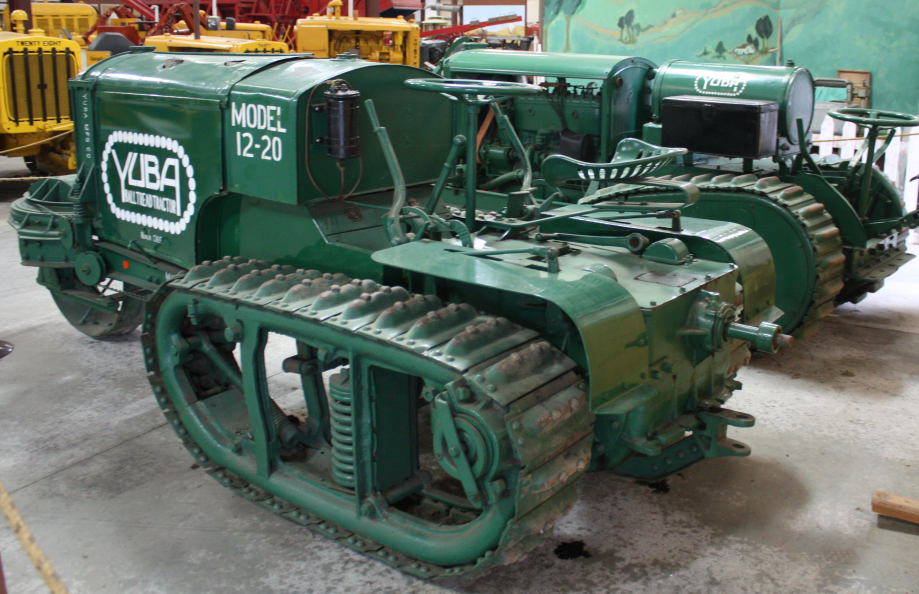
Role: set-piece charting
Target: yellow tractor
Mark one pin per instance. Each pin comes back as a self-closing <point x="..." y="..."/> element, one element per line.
<point x="395" y="41"/>
<point x="35" y="119"/>
<point x="174" y="33"/>
<point x="67" y="19"/>
<point x="210" y="43"/>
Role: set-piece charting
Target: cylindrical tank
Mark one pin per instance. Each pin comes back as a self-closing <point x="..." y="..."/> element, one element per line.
<point x="343" y="134"/>
<point x="792" y="88"/>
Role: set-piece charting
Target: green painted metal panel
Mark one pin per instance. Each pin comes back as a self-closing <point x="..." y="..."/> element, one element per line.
<point x="706" y="239"/>
<point x="150" y="130"/>
<point x="264" y="123"/>
<point x="276" y="145"/>
<point x="154" y="170"/>
<point x="586" y="66"/>
<point x="207" y="77"/>
<point x="605" y="312"/>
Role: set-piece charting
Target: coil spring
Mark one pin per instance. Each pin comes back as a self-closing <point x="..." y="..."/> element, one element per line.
<point x="341" y="413"/>
<point x="81" y="211"/>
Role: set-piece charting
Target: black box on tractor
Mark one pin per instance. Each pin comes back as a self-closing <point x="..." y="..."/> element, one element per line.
<point x="722" y="126"/>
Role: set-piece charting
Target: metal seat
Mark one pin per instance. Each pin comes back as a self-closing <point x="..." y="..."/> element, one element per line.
<point x="634" y="159"/>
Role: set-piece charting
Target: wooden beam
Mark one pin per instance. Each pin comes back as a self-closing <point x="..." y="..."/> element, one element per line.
<point x="895" y="506"/>
<point x="2" y="580"/>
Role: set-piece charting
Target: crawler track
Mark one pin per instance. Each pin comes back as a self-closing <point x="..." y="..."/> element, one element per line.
<point x="517" y="404"/>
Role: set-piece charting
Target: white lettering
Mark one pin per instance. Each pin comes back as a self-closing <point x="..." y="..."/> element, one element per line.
<point x="256" y="117"/>
<point x="239" y="115"/>
<point x="150" y="172"/>
<point x="153" y="178"/>
<point x="728" y="85"/>
<point x="262" y="117"/>
<point x="280" y="129"/>
<point x="173" y="182"/>
<point x="137" y="182"/>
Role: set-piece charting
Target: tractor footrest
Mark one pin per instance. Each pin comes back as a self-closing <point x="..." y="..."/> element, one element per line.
<point x="883" y="266"/>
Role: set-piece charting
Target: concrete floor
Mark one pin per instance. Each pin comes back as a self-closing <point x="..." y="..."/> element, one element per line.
<point x="116" y="504"/>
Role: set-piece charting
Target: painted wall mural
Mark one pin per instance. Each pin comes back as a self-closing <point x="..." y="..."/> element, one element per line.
<point x="821" y="35"/>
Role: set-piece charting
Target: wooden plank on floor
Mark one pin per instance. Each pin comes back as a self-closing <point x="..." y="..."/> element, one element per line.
<point x="895" y="506"/>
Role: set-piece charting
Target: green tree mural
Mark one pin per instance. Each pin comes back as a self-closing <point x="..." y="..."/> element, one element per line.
<point x="625" y="27"/>
<point x="764" y="31"/>
<point x="566" y="8"/>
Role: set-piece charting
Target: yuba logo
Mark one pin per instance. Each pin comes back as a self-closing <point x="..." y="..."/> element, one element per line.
<point x="725" y="85"/>
<point x="148" y="173"/>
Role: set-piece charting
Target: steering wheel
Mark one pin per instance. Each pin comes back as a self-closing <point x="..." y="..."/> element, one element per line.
<point x="491" y="90"/>
<point x="875" y="118"/>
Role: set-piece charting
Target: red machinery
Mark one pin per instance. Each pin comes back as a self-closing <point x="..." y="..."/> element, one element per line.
<point x="457" y="31"/>
<point x="144" y="15"/>
<point x="282" y="15"/>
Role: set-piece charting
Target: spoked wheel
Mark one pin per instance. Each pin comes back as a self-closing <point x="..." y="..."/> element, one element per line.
<point x="446" y="442"/>
<point x="121" y="315"/>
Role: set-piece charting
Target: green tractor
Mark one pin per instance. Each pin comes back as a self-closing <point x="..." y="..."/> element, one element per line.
<point x="458" y="367"/>
<point x="836" y="229"/>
